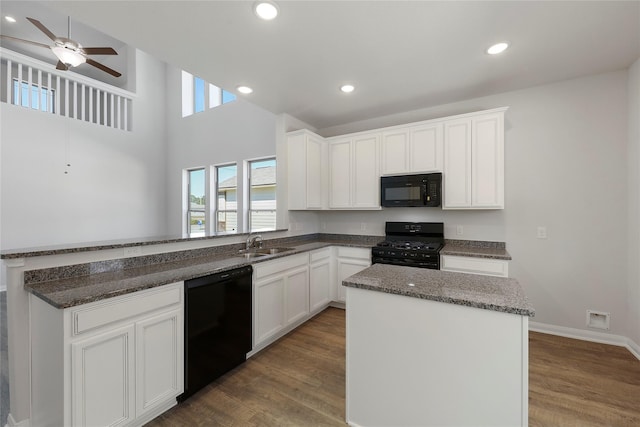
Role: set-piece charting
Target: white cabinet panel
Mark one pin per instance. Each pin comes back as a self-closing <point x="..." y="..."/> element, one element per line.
<point x="394" y="149"/>
<point x="340" y="174"/>
<point x="457" y="164"/>
<point x="320" y="281"/>
<point x="270" y="307"/>
<point x="307" y="170"/>
<point x="474" y="162"/>
<point x="159" y="363"/>
<point x="426" y="153"/>
<point x="103" y="380"/>
<point x="349" y="262"/>
<point x="366" y="176"/>
<point x="297" y="294"/>
<point x="487" y="149"/>
<point x="483" y="266"/>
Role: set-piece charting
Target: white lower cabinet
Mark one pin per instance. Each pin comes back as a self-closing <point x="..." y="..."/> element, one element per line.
<point x="472" y="265"/>
<point x="320" y="274"/>
<point x="281" y="292"/>
<point x="115" y="362"/>
<point x="349" y="262"/>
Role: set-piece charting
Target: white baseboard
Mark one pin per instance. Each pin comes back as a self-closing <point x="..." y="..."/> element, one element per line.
<point x="581" y="334"/>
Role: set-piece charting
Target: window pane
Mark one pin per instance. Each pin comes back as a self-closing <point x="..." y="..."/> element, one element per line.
<point x="227" y="97"/>
<point x="199" y="94"/>
<point x="197" y="223"/>
<point x="196" y="189"/>
<point x="262" y="195"/>
<point x="227" y="198"/>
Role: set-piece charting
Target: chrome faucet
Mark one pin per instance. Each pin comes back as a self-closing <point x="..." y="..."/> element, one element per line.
<point x="252" y="241"/>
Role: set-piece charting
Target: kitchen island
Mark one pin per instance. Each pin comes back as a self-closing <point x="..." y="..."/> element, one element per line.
<point x="435" y="348"/>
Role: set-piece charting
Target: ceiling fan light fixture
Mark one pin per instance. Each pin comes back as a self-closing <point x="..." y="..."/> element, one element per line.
<point x="68" y="56"/>
<point x="266" y="10"/>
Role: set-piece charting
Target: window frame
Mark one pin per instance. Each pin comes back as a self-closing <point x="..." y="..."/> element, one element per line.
<point x="44" y="93"/>
<point x="189" y="209"/>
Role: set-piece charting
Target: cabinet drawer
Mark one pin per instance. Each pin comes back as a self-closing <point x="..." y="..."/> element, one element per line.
<point x="320" y="254"/>
<point x="102" y="313"/>
<point x="484" y="266"/>
<point x="360" y="253"/>
<point x="268" y="268"/>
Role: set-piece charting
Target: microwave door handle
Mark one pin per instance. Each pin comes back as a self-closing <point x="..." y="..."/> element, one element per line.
<point x="426" y="193"/>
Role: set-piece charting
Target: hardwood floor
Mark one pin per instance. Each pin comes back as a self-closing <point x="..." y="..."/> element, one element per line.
<point x="299" y="381"/>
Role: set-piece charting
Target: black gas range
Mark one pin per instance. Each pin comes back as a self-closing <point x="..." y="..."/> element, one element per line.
<point x="414" y="244"/>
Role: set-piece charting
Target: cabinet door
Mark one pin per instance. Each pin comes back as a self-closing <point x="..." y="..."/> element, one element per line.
<point x="426" y="146"/>
<point x="269" y="317"/>
<point x="487" y="166"/>
<point x="314" y="173"/>
<point x="348" y="267"/>
<point x="297" y="171"/>
<point x="103" y="379"/>
<point x="395" y="152"/>
<point x="457" y="164"/>
<point x="320" y="284"/>
<point x="159" y="360"/>
<point x="366" y="172"/>
<point x="340" y="174"/>
<point x="297" y="294"/>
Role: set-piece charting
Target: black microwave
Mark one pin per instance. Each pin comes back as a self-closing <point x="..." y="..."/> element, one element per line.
<point x="411" y="190"/>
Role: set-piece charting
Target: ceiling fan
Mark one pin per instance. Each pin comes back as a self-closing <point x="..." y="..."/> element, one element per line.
<point x="69" y="52"/>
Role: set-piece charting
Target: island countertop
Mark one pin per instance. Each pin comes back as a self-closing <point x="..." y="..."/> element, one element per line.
<point x="485" y="292"/>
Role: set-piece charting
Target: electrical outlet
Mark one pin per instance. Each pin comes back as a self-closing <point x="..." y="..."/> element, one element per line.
<point x="541" y="233"/>
<point x="323" y="226"/>
<point x="132" y="251"/>
<point x="363" y="226"/>
<point x="299" y="226"/>
<point x="459" y="230"/>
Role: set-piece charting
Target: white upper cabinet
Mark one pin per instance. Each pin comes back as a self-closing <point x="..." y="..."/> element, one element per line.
<point x="412" y="149"/>
<point x="354" y="173"/>
<point x="307" y="170"/>
<point x="473" y="172"/>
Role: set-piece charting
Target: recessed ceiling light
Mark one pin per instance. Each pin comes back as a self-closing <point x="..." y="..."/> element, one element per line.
<point x="266" y="10"/>
<point x="10" y="19"/>
<point x="244" y="89"/>
<point x="347" y="88"/>
<point x="497" y="48"/>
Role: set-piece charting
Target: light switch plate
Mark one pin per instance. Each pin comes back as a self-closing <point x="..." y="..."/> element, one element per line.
<point x="541" y="232"/>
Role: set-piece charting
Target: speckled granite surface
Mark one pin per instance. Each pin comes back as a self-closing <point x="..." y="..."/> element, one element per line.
<point x="475" y="248"/>
<point x="69" y="286"/>
<point x="486" y="292"/>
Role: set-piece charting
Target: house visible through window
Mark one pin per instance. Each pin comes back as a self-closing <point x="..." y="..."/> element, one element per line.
<point x="196" y="214"/>
<point x="262" y="195"/>
<point x="227" y="198"/>
<point x="199" y="95"/>
<point x="37" y="99"/>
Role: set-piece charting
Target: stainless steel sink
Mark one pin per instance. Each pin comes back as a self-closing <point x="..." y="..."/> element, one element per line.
<point x="258" y="252"/>
<point x="272" y="251"/>
<point x="250" y="255"/>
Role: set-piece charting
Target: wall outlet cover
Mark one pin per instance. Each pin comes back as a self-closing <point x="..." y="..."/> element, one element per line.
<point x="598" y="319"/>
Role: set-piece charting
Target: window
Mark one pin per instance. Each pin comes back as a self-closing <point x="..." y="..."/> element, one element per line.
<point x="262" y="195"/>
<point x="35" y="100"/>
<point x="196" y="92"/>
<point x="227" y="198"/>
<point x="196" y="202"/>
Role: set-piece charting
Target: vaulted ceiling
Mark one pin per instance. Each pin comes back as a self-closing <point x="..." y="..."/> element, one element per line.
<point x="400" y="55"/>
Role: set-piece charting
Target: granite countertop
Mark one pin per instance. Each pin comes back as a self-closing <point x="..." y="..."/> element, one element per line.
<point x="72" y="291"/>
<point x="476" y="249"/>
<point x="485" y="292"/>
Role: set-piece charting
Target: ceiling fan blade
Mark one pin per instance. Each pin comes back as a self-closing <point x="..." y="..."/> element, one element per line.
<point x="103" y="67"/>
<point x="61" y="66"/>
<point x="42" y="28"/>
<point x="46" y="46"/>
<point x="99" y="51"/>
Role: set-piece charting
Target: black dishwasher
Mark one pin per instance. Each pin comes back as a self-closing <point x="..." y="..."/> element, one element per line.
<point x="217" y="326"/>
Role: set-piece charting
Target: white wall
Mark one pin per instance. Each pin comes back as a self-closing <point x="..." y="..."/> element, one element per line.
<point x="229" y="133"/>
<point x="634" y="203"/>
<point x="566" y="169"/>
<point x="115" y="185"/>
